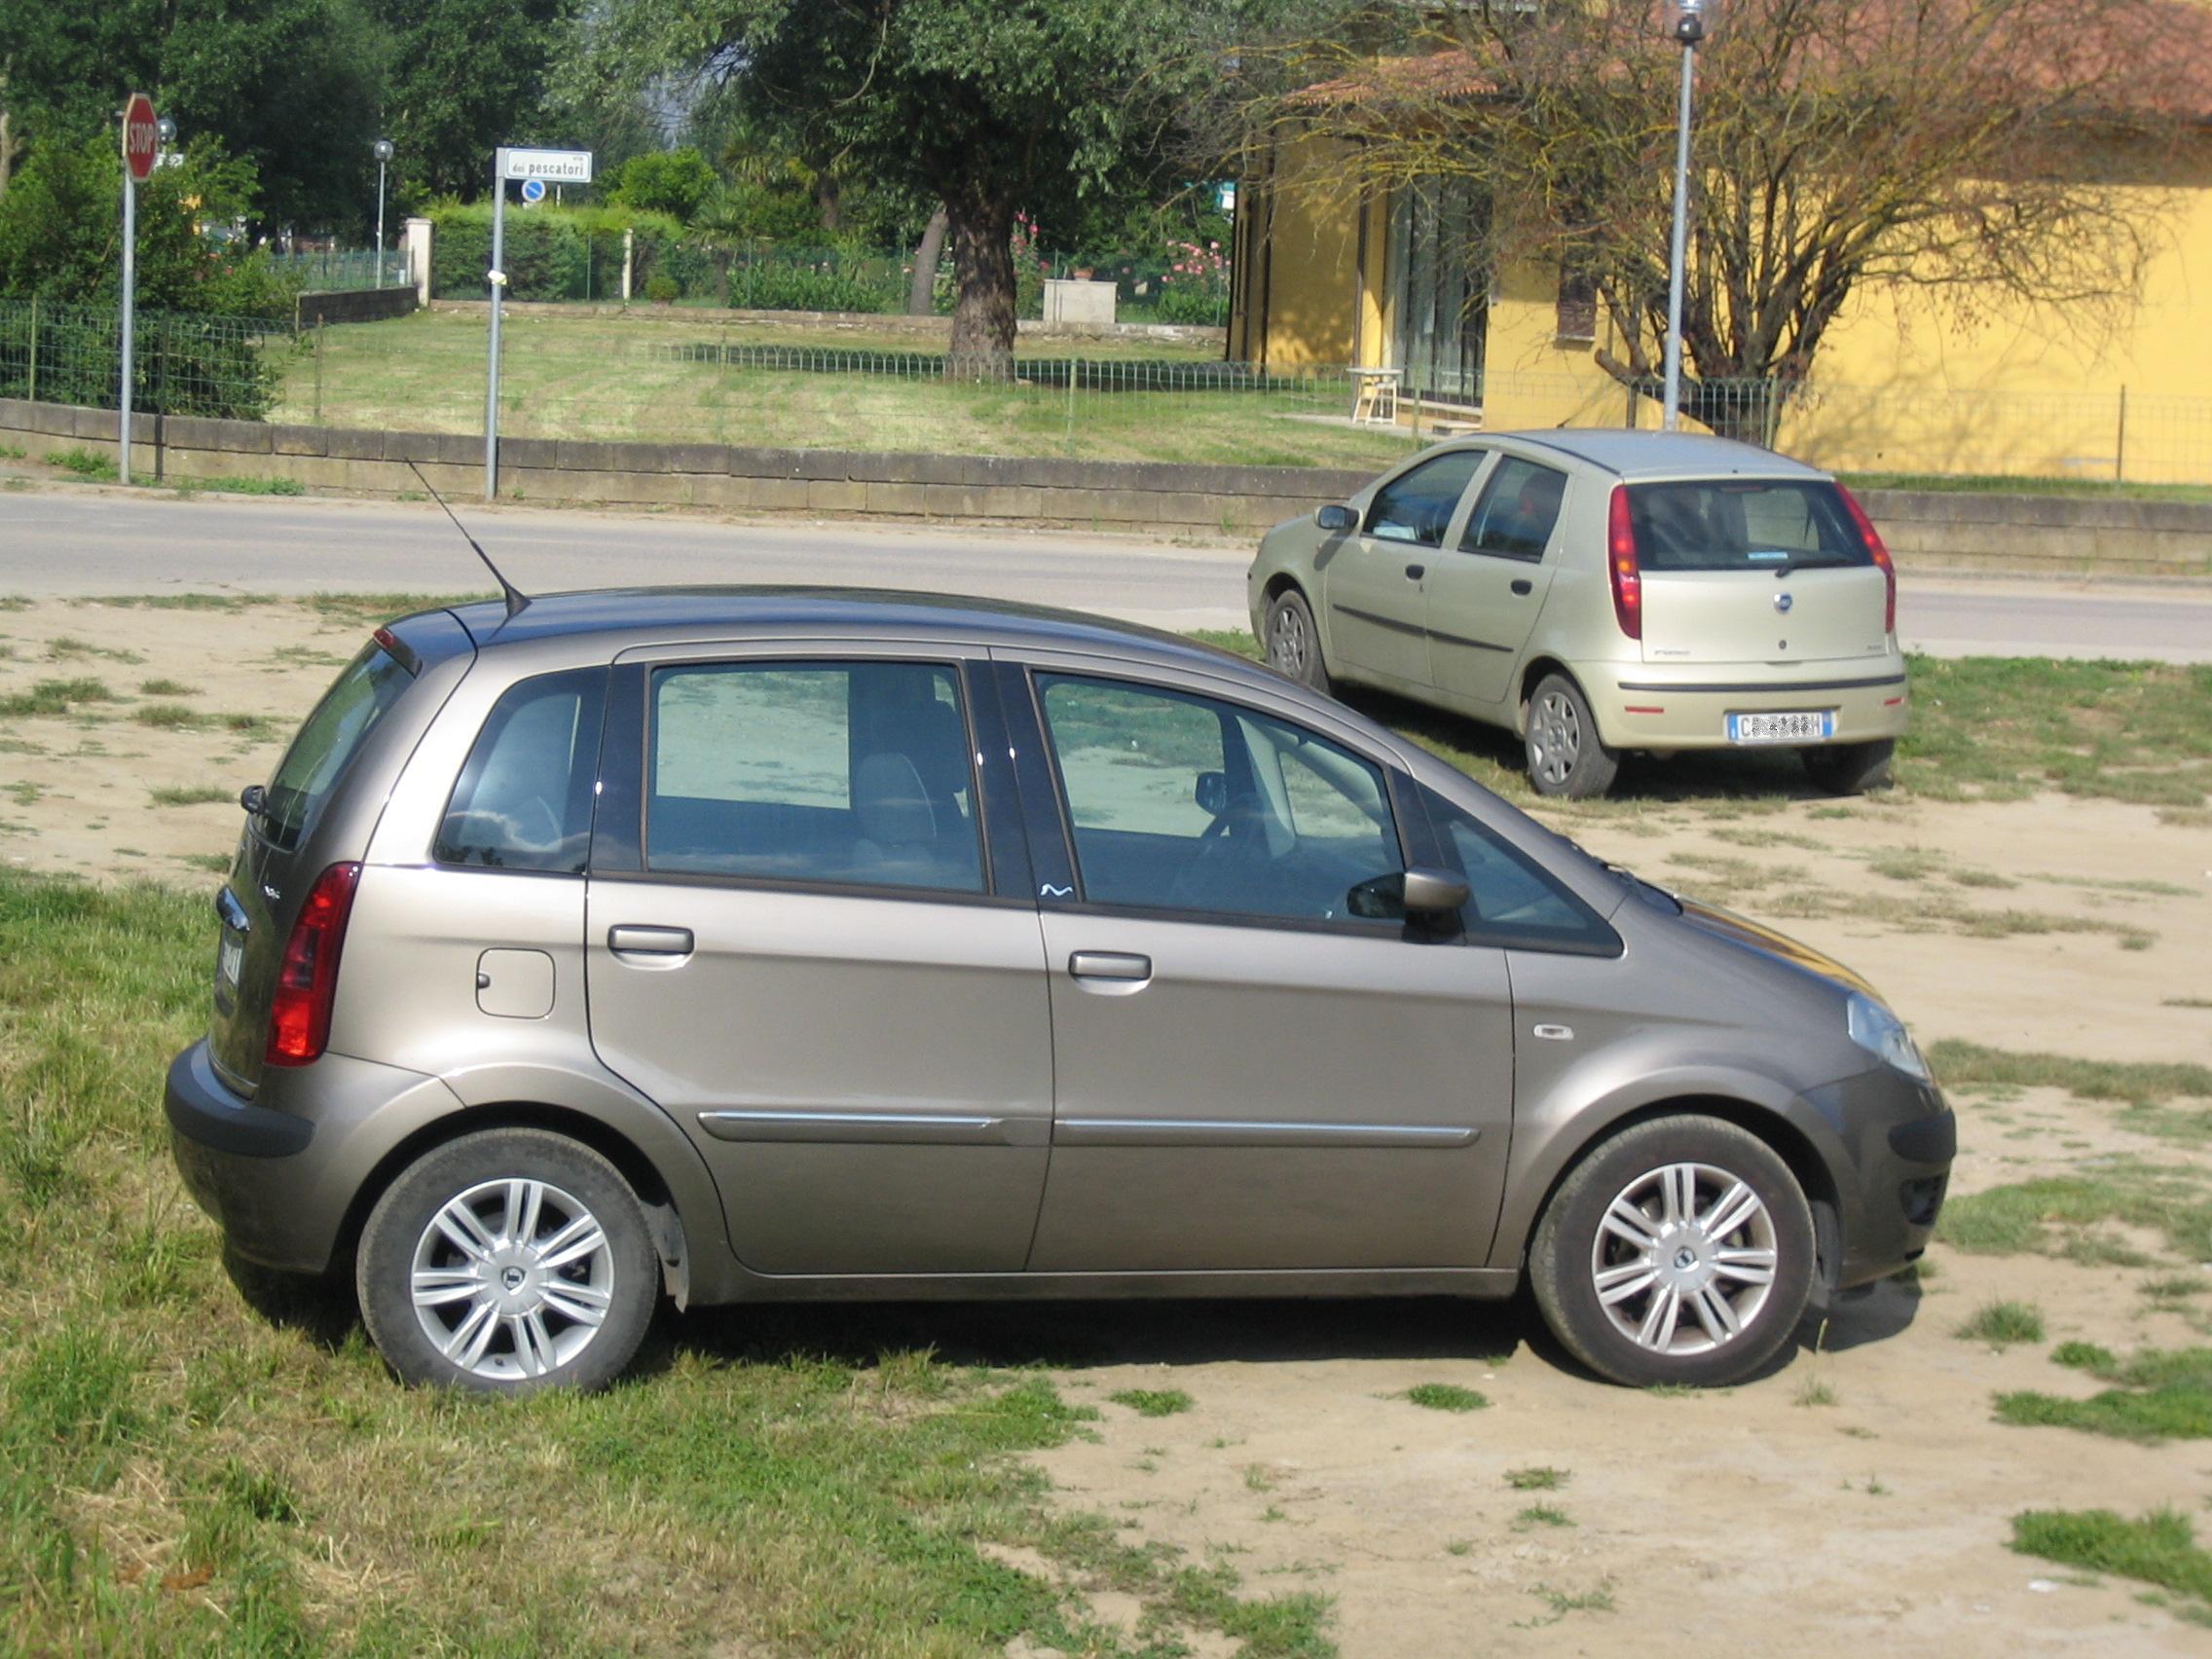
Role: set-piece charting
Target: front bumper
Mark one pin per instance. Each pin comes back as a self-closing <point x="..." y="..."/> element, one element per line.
<point x="278" y="1174"/>
<point x="1643" y="706"/>
<point x="1897" y="1139"/>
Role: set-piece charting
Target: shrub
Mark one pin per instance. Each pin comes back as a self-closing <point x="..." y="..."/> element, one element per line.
<point x="661" y="288"/>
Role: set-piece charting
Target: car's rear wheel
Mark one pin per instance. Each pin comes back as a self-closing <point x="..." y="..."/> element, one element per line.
<point x="1294" y="643"/>
<point x="1681" y="1250"/>
<point x="506" y="1262"/>
<point x="1849" y="768"/>
<point x="1565" y="755"/>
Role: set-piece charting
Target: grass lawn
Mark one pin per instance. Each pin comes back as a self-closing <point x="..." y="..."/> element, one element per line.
<point x="1967" y="483"/>
<point x="615" y="378"/>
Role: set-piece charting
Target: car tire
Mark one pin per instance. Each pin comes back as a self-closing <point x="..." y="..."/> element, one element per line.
<point x="1685" y="1304"/>
<point x="498" y="1229"/>
<point x="1849" y="768"/>
<point x="1565" y="755"/>
<point x="1293" y="642"/>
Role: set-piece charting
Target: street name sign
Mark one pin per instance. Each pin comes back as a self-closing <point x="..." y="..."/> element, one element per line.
<point x="554" y="166"/>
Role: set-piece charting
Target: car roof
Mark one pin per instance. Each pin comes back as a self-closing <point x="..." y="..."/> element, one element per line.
<point x="647" y="615"/>
<point x="1664" y="455"/>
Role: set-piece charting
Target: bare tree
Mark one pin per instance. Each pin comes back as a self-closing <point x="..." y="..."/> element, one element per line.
<point x="1964" y="149"/>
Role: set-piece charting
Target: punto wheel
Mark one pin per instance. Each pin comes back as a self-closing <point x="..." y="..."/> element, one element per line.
<point x="1678" y="1251"/>
<point x="1294" y="643"/>
<point x="506" y="1262"/>
<point x="1565" y="755"/>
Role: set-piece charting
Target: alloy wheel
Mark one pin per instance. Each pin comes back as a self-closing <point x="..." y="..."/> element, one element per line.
<point x="512" y="1279"/>
<point x="1289" y="646"/>
<point x="1684" y="1259"/>
<point x="1555" y="738"/>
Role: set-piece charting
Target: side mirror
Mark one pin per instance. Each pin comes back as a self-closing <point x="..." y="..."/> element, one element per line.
<point x="255" y="799"/>
<point x="1213" y="792"/>
<point x="1336" y="516"/>
<point x="1399" y="895"/>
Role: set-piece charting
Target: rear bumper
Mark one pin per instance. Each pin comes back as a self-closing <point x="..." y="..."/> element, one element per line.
<point x="1641" y="706"/>
<point x="278" y="1174"/>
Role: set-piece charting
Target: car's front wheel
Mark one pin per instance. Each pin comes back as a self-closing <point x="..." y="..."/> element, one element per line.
<point x="1681" y="1250"/>
<point x="505" y="1262"/>
<point x="1293" y="642"/>
<point x="1565" y="755"/>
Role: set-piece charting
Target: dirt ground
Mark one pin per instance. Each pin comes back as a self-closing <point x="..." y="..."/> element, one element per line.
<point x="1861" y="1494"/>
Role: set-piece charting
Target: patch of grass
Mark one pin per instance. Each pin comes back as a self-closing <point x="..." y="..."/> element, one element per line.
<point x="2177" y="1287"/>
<point x="2001" y="728"/>
<point x="56" y="697"/>
<point x="191" y="795"/>
<point x="1153" y="1402"/>
<point x="1446" y="1397"/>
<point x="2036" y="1215"/>
<point x="2000" y="1325"/>
<point x="238" y="486"/>
<point x="63" y="648"/>
<point x="1539" y="1477"/>
<point x="167" y="688"/>
<point x="2159" y="1548"/>
<point x="169" y="717"/>
<point x="217" y="863"/>
<point x="2155" y="1394"/>
<point x="1541" y="1515"/>
<point x="1816" y="1391"/>
<point x="2147" y="1088"/>
<point x="1907" y="863"/>
<point x="83" y="462"/>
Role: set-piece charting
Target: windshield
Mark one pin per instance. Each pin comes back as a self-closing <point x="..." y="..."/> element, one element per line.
<point x="326" y="744"/>
<point x="1742" y="524"/>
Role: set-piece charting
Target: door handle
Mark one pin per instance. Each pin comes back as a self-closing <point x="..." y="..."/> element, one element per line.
<point x="1110" y="965"/>
<point x="1415" y="573"/>
<point x="631" y="940"/>
<point x="1521" y="584"/>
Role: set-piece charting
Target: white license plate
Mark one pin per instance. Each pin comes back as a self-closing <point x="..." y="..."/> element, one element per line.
<point x="1812" y="726"/>
<point x="228" y="961"/>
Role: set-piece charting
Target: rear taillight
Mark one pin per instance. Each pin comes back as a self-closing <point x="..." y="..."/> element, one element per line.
<point x="1880" y="554"/>
<point x="1620" y="563"/>
<point x="298" y="1018"/>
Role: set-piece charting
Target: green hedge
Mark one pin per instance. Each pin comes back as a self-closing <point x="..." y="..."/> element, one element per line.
<point x="181" y="363"/>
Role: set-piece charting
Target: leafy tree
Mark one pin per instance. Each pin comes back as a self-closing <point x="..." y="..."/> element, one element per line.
<point x="467" y="77"/>
<point x="1955" y="149"/>
<point x="676" y="182"/>
<point x="992" y="107"/>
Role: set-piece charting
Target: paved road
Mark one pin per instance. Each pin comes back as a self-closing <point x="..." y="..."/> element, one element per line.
<point x="85" y="541"/>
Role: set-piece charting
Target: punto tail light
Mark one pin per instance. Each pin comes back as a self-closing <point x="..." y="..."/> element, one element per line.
<point x="1879" y="552"/>
<point x="307" y="983"/>
<point x="1621" y="564"/>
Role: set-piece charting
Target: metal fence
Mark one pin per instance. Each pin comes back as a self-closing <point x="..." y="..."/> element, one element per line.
<point x="181" y="363"/>
<point x="340" y="269"/>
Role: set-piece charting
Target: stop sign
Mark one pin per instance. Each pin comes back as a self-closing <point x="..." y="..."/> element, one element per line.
<point x="141" y="140"/>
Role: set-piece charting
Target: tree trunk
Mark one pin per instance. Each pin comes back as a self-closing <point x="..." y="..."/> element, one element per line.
<point x="921" y="292"/>
<point x="828" y="200"/>
<point x="8" y="148"/>
<point x="983" y="273"/>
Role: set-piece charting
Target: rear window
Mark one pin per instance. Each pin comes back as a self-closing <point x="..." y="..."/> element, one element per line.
<point x="1741" y="524"/>
<point x="524" y="798"/>
<point x="328" y="742"/>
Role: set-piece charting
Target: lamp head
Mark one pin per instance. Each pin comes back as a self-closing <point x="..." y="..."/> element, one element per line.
<point x="166" y="130"/>
<point x="382" y="149"/>
<point x="1690" y="21"/>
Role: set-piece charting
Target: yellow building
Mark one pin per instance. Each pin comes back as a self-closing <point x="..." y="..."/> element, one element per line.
<point x="1897" y="385"/>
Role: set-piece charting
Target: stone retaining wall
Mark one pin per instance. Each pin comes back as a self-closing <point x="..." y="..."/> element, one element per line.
<point x="1998" y="535"/>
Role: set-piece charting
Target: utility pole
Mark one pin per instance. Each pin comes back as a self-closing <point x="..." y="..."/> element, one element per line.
<point x="1689" y="29"/>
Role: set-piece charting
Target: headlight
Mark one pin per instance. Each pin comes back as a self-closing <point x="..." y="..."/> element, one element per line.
<point x="1883" y="1035"/>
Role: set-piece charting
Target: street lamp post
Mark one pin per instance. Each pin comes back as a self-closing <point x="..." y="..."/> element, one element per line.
<point x="1689" y="29"/>
<point x="382" y="149"/>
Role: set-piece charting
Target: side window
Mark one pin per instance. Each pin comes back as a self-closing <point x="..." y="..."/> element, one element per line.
<point x="525" y="795"/>
<point x="1417" y="506"/>
<point x="1512" y="900"/>
<point x="838" y="772"/>
<point x="1185" y="803"/>
<point x="1519" y="506"/>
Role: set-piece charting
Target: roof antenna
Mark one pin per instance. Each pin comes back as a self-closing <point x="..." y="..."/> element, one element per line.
<point x="516" y="599"/>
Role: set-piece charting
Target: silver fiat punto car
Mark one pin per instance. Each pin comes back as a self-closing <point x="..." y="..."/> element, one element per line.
<point x="1598" y="592"/>
<point x="742" y="945"/>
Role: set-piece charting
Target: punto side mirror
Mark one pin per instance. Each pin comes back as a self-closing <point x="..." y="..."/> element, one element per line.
<point x="1399" y="895"/>
<point x="1213" y="792"/>
<point x="1336" y="516"/>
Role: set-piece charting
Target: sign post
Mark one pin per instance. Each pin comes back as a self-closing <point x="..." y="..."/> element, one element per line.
<point x="141" y="144"/>
<point x="564" y="167"/>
